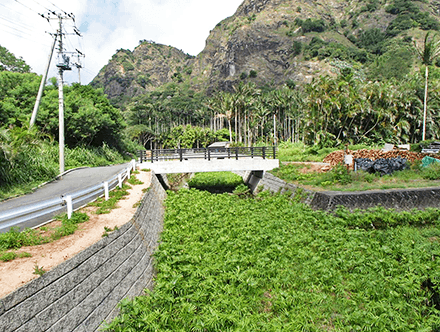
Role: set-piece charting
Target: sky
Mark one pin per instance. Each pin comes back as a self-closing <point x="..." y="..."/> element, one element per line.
<point x="105" y="26"/>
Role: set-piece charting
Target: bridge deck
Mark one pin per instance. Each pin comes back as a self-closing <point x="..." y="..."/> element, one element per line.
<point x="209" y="160"/>
<point x="213" y="165"/>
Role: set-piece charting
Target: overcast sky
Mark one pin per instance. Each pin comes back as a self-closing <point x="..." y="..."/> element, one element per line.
<point x="107" y="25"/>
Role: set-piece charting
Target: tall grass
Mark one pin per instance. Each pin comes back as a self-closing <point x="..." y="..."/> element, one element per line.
<point x="27" y="160"/>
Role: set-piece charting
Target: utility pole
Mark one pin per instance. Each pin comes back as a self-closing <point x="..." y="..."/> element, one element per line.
<point x="42" y="84"/>
<point x="63" y="64"/>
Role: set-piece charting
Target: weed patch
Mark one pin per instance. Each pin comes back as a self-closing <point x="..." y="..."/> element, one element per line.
<point x="271" y="264"/>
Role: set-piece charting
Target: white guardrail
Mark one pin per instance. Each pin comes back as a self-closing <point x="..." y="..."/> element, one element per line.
<point x="38" y="214"/>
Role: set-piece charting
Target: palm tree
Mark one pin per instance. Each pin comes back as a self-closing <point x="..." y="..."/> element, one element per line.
<point x="427" y="53"/>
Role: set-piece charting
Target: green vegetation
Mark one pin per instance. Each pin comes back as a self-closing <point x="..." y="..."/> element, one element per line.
<point x="94" y="133"/>
<point x="39" y="270"/>
<point x="107" y="230"/>
<point x="9" y="62"/>
<point x="416" y="176"/>
<point x="215" y="181"/>
<point x="115" y="195"/>
<point x="15" y="239"/>
<point x="270" y="264"/>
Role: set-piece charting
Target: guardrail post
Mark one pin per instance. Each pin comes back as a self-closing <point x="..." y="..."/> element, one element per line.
<point x="152" y="151"/>
<point x="133" y="163"/>
<point x="120" y="180"/>
<point x="106" y="190"/>
<point x="236" y="153"/>
<point x="264" y="152"/>
<point x="68" y="200"/>
<point x="252" y="152"/>
<point x="128" y="172"/>
<point x="209" y="155"/>
<point x="274" y="152"/>
<point x="180" y="154"/>
<point x="229" y="153"/>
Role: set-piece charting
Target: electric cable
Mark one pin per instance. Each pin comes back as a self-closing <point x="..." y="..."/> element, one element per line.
<point x="33" y="10"/>
<point x="28" y="39"/>
<point x="20" y="25"/>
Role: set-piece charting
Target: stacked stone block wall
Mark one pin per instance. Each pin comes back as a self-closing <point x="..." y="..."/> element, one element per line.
<point x="81" y="293"/>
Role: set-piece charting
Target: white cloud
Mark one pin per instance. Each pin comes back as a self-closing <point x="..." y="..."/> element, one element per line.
<point x="108" y="25"/>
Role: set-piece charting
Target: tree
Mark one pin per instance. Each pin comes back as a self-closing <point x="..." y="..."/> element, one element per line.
<point x="8" y="62"/>
<point x="428" y="53"/>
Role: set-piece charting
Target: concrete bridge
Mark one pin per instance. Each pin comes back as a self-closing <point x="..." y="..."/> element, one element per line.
<point x="257" y="160"/>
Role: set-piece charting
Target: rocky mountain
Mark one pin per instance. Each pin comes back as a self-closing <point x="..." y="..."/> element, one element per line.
<point x="273" y="42"/>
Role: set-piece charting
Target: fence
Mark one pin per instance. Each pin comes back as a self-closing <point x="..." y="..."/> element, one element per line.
<point x="207" y="153"/>
<point x="38" y="214"/>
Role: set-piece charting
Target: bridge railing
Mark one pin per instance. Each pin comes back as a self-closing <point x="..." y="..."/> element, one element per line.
<point x="207" y="153"/>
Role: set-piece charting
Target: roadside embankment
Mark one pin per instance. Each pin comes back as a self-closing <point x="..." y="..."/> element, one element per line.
<point x="82" y="292"/>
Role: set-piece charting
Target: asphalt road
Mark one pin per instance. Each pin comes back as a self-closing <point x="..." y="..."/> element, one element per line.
<point x="73" y="181"/>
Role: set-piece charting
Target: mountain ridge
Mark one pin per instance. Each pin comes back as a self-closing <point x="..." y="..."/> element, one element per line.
<point x="276" y="42"/>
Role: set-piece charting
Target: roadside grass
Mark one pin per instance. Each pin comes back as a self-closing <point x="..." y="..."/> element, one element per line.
<point x="14" y="239"/>
<point x="338" y="179"/>
<point x="300" y="152"/>
<point x="115" y="195"/>
<point x="40" y="165"/>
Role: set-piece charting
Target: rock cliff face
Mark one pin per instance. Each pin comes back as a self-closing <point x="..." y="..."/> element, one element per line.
<point x="264" y="42"/>
<point x="149" y="66"/>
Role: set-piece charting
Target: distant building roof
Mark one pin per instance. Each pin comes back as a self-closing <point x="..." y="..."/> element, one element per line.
<point x="220" y="145"/>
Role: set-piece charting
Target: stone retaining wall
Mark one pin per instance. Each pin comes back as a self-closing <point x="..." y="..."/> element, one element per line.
<point x="81" y="293"/>
<point x="398" y="199"/>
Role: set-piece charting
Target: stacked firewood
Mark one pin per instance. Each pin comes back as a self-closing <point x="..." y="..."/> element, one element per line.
<point x="337" y="157"/>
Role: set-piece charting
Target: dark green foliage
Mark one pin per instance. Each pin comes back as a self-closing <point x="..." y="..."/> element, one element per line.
<point x="408" y="16"/>
<point x="309" y="25"/>
<point x="270" y="264"/>
<point x="372" y="40"/>
<point x="322" y="49"/>
<point x="216" y="181"/>
<point x="371" y="6"/>
<point x="432" y="172"/>
<point x="395" y="63"/>
<point x="8" y="62"/>
<point x="297" y="48"/>
<point x="253" y="74"/>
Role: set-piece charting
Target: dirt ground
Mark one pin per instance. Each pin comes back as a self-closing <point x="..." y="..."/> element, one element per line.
<point x="18" y="272"/>
<point x="311" y="167"/>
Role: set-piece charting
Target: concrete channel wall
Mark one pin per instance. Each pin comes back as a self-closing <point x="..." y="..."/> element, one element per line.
<point x="398" y="199"/>
<point x="81" y="293"/>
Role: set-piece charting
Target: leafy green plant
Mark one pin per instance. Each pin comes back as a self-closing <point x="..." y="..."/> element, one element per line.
<point x="432" y="172"/>
<point x="216" y="181"/>
<point x="271" y="264"/>
<point x="39" y="270"/>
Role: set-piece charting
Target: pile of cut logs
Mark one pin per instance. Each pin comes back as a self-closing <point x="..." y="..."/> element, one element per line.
<point x="337" y="157"/>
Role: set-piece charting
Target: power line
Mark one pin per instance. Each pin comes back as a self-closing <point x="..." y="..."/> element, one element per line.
<point x="33" y="10"/>
<point x="10" y="27"/>
<point x="21" y="25"/>
<point x="57" y="7"/>
<point x="29" y="39"/>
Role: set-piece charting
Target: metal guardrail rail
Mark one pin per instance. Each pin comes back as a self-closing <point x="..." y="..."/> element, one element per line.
<point x="38" y="214"/>
<point x="207" y="153"/>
